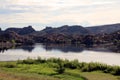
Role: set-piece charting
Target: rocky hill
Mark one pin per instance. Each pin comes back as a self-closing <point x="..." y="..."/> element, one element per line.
<point x="107" y="34"/>
<point x="68" y="30"/>
<point x="21" y="31"/>
<point x="110" y="28"/>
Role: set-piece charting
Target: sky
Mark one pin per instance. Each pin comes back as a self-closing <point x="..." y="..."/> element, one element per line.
<point x="42" y="13"/>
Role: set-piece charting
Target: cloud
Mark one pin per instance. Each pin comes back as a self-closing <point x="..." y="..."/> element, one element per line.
<point x="56" y="12"/>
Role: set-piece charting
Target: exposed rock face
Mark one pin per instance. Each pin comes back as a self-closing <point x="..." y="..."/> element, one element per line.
<point x="21" y="31"/>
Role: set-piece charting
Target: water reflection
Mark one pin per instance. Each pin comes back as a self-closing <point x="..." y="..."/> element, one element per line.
<point x="96" y="53"/>
<point x="2" y="50"/>
<point x="26" y="48"/>
<point x="63" y="47"/>
<point x="77" y="48"/>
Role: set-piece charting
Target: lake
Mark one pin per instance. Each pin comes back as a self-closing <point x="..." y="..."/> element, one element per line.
<point x="70" y="52"/>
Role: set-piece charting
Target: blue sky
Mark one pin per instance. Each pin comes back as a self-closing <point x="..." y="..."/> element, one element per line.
<point x="42" y="13"/>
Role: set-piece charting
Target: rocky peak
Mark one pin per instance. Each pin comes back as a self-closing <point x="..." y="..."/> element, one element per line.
<point x="47" y="28"/>
<point x="26" y="30"/>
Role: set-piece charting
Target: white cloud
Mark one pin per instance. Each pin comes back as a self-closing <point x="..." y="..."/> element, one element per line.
<point x="53" y="11"/>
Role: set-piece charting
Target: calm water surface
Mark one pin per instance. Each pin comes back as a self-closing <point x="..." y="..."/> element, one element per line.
<point x="70" y="52"/>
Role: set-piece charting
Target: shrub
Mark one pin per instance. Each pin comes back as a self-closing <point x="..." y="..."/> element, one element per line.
<point x="81" y="65"/>
<point x="40" y="60"/>
<point x="54" y="60"/>
<point x="10" y="65"/>
<point x="107" y="69"/>
<point x="94" y="67"/>
<point x="60" y="68"/>
<point x="85" y="68"/>
<point x="72" y="64"/>
<point x="115" y="70"/>
<point x="28" y="61"/>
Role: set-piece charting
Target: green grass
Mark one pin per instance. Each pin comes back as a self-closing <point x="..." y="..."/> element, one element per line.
<point x="50" y="69"/>
<point x="95" y="75"/>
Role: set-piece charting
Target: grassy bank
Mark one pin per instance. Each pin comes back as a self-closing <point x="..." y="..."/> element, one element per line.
<point x="57" y="69"/>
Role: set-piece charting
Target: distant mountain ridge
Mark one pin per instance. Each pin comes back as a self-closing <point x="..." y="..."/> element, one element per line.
<point x="67" y="30"/>
<point x="80" y="30"/>
<point x="110" y="28"/>
<point x="21" y="31"/>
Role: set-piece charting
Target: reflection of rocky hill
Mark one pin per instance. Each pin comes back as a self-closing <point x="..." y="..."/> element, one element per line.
<point x="79" y="48"/>
<point x="26" y="48"/>
<point x="3" y="49"/>
<point x="63" y="47"/>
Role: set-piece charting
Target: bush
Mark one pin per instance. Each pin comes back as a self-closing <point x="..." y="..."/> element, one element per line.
<point x="54" y="60"/>
<point x="72" y="64"/>
<point x="85" y="68"/>
<point x="40" y="60"/>
<point x="115" y="70"/>
<point x="88" y="67"/>
<point x="81" y="65"/>
<point x="93" y="67"/>
<point x="28" y="61"/>
<point x="108" y="69"/>
<point x="10" y="65"/>
<point x="60" y="68"/>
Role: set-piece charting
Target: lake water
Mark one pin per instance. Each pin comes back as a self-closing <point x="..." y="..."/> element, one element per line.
<point x="70" y="52"/>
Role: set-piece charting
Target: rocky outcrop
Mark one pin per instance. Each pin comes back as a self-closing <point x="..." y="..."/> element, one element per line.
<point x="21" y="31"/>
<point x="67" y="30"/>
<point x="26" y="30"/>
